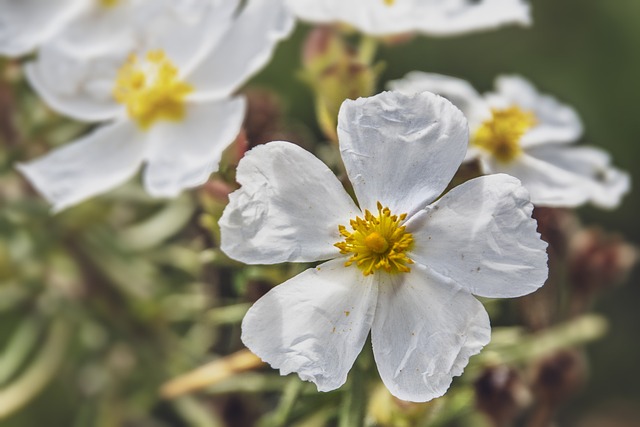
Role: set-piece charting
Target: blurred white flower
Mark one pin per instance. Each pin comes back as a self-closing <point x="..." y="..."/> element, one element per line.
<point x="79" y="24"/>
<point x="432" y="17"/>
<point x="523" y="133"/>
<point x="166" y="96"/>
<point x="403" y="264"/>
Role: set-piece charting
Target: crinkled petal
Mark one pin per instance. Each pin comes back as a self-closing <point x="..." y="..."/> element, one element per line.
<point x="434" y="17"/>
<point x="288" y="208"/>
<point x="248" y="45"/>
<point x="458" y="91"/>
<point x="592" y="166"/>
<point x="314" y="324"/>
<point x="76" y="85"/>
<point x="556" y="122"/>
<point x="425" y="330"/>
<point x="24" y="24"/>
<point x="548" y="185"/>
<point x="87" y="167"/>
<point x="481" y="235"/>
<point x="183" y="154"/>
<point x="401" y="150"/>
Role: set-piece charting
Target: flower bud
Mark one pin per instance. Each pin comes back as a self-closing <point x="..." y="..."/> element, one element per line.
<point x="501" y="394"/>
<point x="558" y="376"/>
<point x="598" y="260"/>
<point x="335" y="72"/>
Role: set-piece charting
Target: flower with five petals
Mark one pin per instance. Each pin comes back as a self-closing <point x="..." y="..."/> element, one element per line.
<point x="402" y="264"/>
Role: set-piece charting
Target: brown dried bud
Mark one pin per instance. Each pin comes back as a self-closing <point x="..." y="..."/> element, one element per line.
<point x="264" y="115"/>
<point x="598" y="260"/>
<point x="556" y="226"/>
<point x="558" y="376"/>
<point x="501" y="394"/>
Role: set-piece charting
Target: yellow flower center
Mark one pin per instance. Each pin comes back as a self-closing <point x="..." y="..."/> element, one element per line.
<point x="501" y="134"/>
<point x="377" y="242"/>
<point x="151" y="89"/>
<point x="109" y="3"/>
<point x="389" y="2"/>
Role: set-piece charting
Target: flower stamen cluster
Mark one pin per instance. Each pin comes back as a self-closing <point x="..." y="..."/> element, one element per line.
<point x="109" y="3"/>
<point x="501" y="134"/>
<point x="152" y="89"/>
<point x="377" y="242"/>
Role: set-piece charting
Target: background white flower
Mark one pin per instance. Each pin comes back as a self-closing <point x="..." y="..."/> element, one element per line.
<point x="406" y="273"/>
<point x="433" y="17"/>
<point x="518" y="131"/>
<point x="78" y="24"/>
<point x="166" y="96"/>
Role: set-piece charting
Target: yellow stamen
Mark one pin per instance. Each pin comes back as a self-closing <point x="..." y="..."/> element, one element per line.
<point x="109" y="3"/>
<point x="389" y="2"/>
<point x="501" y="134"/>
<point x="377" y="242"/>
<point x="151" y="89"/>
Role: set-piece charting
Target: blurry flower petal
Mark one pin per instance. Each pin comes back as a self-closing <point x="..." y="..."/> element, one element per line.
<point x="433" y="17"/>
<point x="607" y="184"/>
<point x="314" y="324"/>
<point x="556" y="122"/>
<point x="24" y="24"/>
<point x="401" y="150"/>
<point x="481" y="235"/>
<point x="288" y="208"/>
<point x="183" y="154"/>
<point x="88" y="166"/>
<point x="245" y="49"/>
<point x="76" y="86"/>
<point x="424" y="331"/>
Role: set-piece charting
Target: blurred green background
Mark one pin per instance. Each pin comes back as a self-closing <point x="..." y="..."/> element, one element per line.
<point x="584" y="52"/>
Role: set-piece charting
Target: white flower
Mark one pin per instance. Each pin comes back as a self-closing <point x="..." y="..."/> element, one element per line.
<point x="166" y="99"/>
<point x="523" y="133"/>
<point x="432" y="17"/>
<point x="79" y="24"/>
<point x="403" y="264"/>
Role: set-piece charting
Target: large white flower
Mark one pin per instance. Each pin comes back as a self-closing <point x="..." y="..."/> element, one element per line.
<point x="433" y="17"/>
<point x="518" y="131"/>
<point x="79" y="24"/>
<point x="166" y="98"/>
<point x="402" y="264"/>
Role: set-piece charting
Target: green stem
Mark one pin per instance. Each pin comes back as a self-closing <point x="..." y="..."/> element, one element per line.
<point x="39" y="374"/>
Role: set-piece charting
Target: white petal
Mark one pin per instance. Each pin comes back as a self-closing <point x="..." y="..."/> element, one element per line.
<point x="246" y="48"/>
<point x="314" y="324"/>
<point x="435" y="17"/>
<point x="547" y="184"/>
<point x="88" y="166"/>
<point x="481" y="235"/>
<point x="24" y="24"/>
<point x="288" y="208"/>
<point x="592" y="166"/>
<point x="75" y="85"/>
<point x="458" y="91"/>
<point x="424" y="331"/>
<point x="401" y="150"/>
<point x="185" y="30"/>
<point x="441" y="18"/>
<point x="183" y="154"/>
<point x="557" y="122"/>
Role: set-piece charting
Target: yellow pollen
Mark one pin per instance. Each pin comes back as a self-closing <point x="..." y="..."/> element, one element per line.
<point x="501" y="134"/>
<point x="389" y="2"/>
<point x="151" y="89"/>
<point x="109" y="3"/>
<point x="377" y="242"/>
